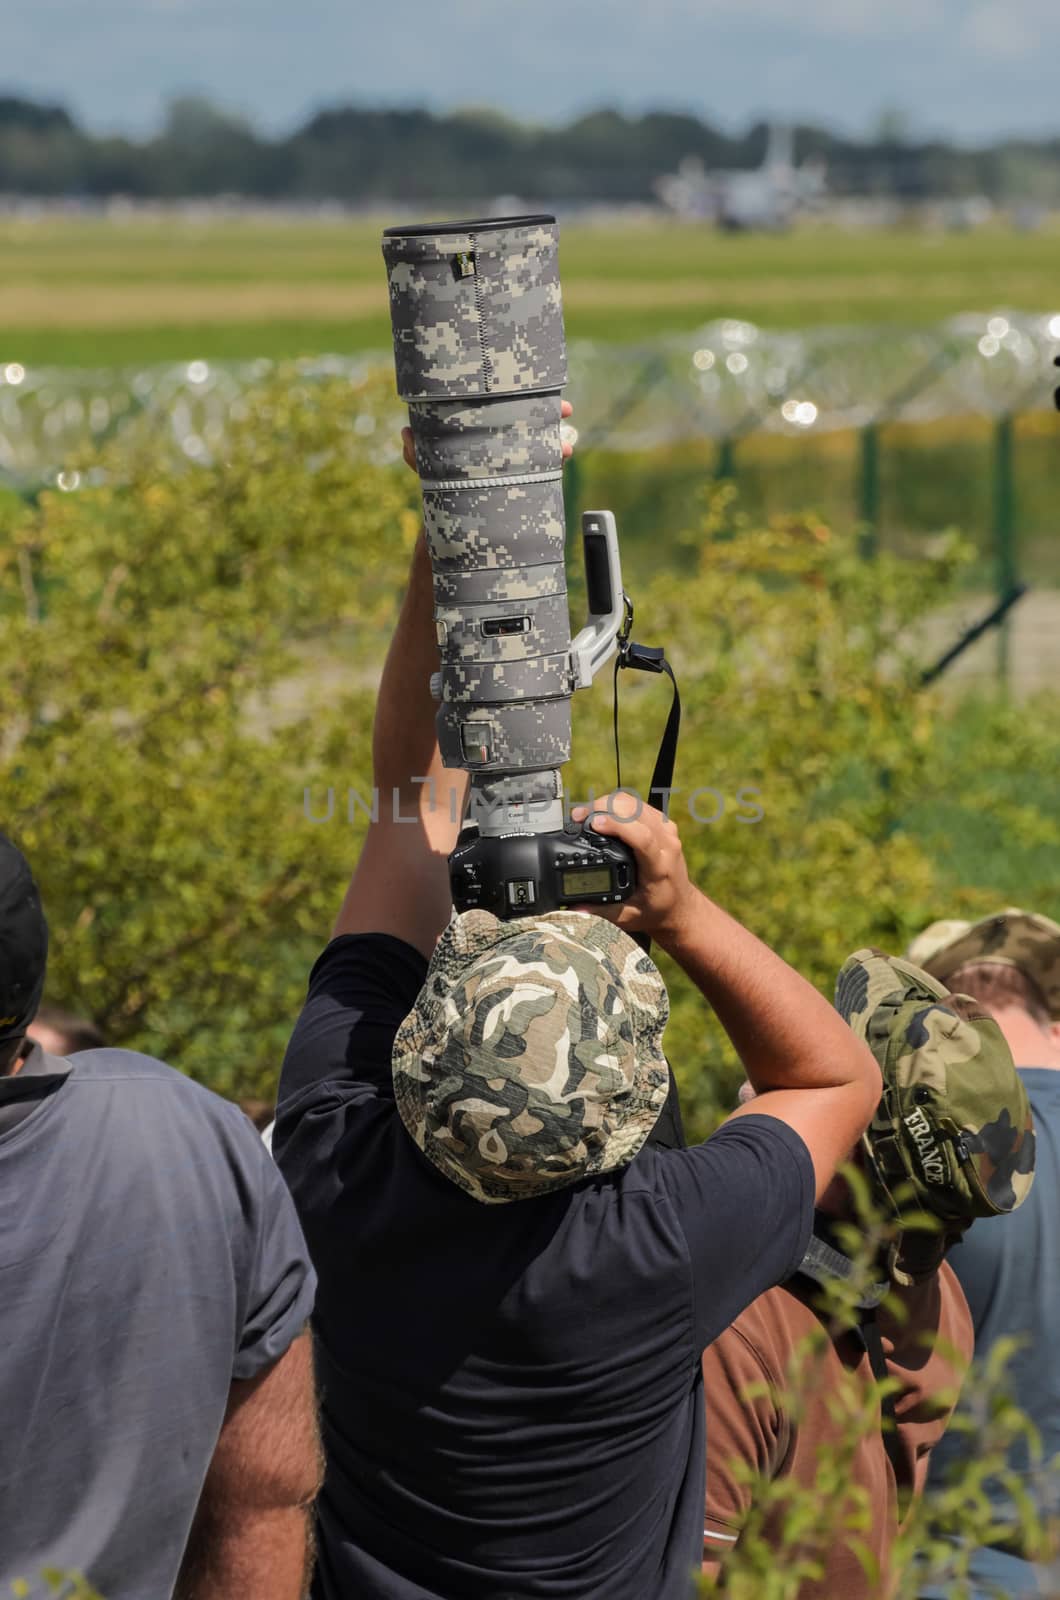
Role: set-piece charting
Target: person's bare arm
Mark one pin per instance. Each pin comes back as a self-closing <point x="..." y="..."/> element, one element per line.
<point x="806" y="1065"/>
<point x="252" y="1534"/>
<point x="401" y="882"/>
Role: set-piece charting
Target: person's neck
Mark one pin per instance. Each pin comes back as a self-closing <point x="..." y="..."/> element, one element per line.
<point x="1031" y="1045"/>
<point x="13" y="1068"/>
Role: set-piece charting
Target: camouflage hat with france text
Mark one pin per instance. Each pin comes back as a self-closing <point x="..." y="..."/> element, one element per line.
<point x="1011" y="938"/>
<point x="533" y="1055"/>
<point x="953" y="1127"/>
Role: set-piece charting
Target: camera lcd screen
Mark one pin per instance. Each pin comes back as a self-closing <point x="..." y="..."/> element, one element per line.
<point x="597" y="880"/>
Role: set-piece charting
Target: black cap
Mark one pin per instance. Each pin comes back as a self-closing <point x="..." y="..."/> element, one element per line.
<point x="23" y="943"/>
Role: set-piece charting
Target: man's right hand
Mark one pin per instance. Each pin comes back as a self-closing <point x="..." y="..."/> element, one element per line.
<point x="665" y="898"/>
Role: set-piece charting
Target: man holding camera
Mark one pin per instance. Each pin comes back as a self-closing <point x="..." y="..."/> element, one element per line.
<point x="512" y="1392"/>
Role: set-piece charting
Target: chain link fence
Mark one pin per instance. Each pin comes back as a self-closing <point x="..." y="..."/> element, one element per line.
<point x="853" y="419"/>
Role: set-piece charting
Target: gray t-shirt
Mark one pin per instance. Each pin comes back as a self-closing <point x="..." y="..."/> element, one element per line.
<point x="1009" y="1268"/>
<point x="149" y="1254"/>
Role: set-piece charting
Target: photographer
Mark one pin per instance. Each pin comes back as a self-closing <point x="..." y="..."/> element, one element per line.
<point x="512" y="1393"/>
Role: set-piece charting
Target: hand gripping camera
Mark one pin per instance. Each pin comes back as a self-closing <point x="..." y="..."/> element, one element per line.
<point x="480" y="354"/>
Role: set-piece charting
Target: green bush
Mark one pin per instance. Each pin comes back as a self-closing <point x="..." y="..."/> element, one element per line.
<point x="181" y="653"/>
<point x="185" y="649"/>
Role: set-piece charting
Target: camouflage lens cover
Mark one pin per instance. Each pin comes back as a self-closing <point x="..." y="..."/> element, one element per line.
<point x="480" y="438"/>
<point x="953" y="1121"/>
<point x="477" y="312"/>
<point x="480" y="355"/>
<point x="533" y="1056"/>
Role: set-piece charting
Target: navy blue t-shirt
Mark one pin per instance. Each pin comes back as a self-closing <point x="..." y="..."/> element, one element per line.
<point x="512" y="1394"/>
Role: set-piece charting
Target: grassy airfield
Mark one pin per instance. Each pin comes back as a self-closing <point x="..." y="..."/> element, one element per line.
<point x="140" y="290"/>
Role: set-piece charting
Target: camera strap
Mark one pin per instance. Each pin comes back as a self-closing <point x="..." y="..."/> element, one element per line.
<point x="868" y="1330"/>
<point x="646" y="658"/>
<point x="823" y="1264"/>
<point x="668" y="1132"/>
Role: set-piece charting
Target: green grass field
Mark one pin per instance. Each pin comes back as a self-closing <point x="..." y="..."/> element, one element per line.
<point x="97" y="293"/>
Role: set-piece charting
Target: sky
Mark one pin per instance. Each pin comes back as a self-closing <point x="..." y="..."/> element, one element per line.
<point x="968" y="69"/>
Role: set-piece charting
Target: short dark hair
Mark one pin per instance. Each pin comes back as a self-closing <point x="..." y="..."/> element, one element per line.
<point x="999" y="985"/>
<point x="79" y="1033"/>
<point x="10" y="1051"/>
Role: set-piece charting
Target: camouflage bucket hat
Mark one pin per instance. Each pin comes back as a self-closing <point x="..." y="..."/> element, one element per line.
<point x="954" y="1123"/>
<point x="1012" y="938"/>
<point x="533" y="1056"/>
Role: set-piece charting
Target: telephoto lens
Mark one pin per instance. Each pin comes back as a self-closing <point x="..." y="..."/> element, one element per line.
<point x="481" y="362"/>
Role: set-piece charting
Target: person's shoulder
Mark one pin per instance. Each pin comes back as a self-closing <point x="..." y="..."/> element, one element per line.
<point x="112" y="1064"/>
<point x="1043" y="1091"/>
<point x="734" y="1156"/>
<point x="109" y="1062"/>
<point x="379" y="956"/>
<point x="131" y="1071"/>
<point x="752" y="1130"/>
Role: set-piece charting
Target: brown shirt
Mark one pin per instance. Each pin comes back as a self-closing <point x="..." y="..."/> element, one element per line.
<point x="780" y="1338"/>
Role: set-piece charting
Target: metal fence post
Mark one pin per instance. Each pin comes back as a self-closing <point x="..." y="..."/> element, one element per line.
<point x="869" y="490"/>
<point x="1005" y="564"/>
<point x="726" y="463"/>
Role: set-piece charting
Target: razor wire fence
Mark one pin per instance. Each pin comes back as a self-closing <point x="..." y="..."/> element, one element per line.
<point x="721" y="392"/>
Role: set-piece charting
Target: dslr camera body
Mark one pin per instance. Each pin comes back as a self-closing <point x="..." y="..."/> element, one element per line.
<point x="527" y="874"/>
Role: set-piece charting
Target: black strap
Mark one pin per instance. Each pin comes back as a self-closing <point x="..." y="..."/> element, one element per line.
<point x="669" y="1131"/>
<point x="869" y="1332"/>
<point x="643" y="658"/>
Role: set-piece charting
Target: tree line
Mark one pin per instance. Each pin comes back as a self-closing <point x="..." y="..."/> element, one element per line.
<point x="358" y="155"/>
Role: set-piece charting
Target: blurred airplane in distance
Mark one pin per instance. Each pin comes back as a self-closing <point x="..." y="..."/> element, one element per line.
<point x="766" y="198"/>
